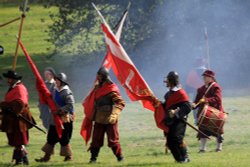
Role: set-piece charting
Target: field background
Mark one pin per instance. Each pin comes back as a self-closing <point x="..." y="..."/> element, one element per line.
<point x="142" y="143"/>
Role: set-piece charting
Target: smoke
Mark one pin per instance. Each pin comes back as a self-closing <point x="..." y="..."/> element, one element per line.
<point x="182" y="40"/>
<point x="179" y="42"/>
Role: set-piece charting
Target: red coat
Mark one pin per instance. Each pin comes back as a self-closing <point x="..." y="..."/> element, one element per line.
<point x="20" y="93"/>
<point x="213" y="96"/>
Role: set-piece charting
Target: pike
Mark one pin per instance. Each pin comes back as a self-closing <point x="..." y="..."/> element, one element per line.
<point x="24" y="10"/>
<point x="11" y="21"/>
<point x="207" y="48"/>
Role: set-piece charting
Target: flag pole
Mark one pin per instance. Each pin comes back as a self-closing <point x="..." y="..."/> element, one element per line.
<point x="24" y="10"/>
<point x="207" y="47"/>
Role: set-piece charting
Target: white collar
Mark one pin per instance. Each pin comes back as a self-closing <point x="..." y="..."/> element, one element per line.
<point x="176" y="88"/>
<point x="17" y="82"/>
<point x="62" y="88"/>
<point x="51" y="81"/>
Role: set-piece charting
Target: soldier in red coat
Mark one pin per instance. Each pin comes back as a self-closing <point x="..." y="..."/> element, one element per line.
<point x="15" y="105"/>
<point x="107" y="107"/>
<point x="209" y="93"/>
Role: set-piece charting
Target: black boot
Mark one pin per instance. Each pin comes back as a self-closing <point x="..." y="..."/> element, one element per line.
<point x="25" y="160"/>
<point x="17" y="156"/>
<point x="94" y="154"/>
<point x="184" y="153"/>
<point x="118" y="153"/>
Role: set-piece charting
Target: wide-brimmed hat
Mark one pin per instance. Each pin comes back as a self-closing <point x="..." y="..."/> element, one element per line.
<point x="209" y="73"/>
<point x="12" y="74"/>
<point x="1" y="50"/>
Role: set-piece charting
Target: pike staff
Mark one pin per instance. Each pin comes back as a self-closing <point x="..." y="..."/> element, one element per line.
<point x="207" y="48"/>
<point x="11" y="21"/>
<point x="24" y="9"/>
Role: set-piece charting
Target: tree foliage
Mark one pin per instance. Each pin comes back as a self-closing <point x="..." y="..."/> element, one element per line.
<point x="76" y="26"/>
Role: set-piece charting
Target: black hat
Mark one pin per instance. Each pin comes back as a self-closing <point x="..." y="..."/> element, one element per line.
<point x="12" y="74"/>
<point x="1" y="50"/>
<point x="62" y="77"/>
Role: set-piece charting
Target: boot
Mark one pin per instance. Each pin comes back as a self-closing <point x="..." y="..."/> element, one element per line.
<point x="184" y="153"/>
<point x="25" y="156"/>
<point x="67" y="152"/>
<point x="94" y="154"/>
<point x="49" y="150"/>
<point x="19" y="155"/>
<point x="45" y="158"/>
<point x="25" y="160"/>
<point x="118" y="153"/>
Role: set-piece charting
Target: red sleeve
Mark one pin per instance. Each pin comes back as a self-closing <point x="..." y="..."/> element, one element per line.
<point x="216" y="99"/>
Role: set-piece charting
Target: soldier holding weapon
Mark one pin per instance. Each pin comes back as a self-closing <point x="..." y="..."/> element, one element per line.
<point x="176" y="109"/>
<point x="16" y="119"/>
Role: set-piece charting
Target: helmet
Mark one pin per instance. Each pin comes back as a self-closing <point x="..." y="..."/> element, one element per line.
<point x="62" y="77"/>
<point x="173" y="78"/>
<point x="103" y="71"/>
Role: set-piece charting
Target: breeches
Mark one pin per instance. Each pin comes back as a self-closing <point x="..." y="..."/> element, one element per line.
<point x="53" y="138"/>
<point x="99" y="132"/>
<point x="16" y="139"/>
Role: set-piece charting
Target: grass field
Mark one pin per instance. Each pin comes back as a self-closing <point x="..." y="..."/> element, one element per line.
<point x="143" y="143"/>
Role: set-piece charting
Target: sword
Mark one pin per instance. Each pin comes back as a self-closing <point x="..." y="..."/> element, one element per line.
<point x="197" y="130"/>
<point x="19" y="116"/>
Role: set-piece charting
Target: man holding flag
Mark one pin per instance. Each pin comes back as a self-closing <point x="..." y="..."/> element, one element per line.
<point x="177" y="107"/>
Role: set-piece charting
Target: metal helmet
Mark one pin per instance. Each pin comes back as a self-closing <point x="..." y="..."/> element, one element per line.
<point x="173" y="78"/>
<point x="103" y="71"/>
<point x="62" y="77"/>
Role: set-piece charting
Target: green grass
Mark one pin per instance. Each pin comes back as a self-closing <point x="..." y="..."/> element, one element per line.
<point x="143" y="144"/>
<point x="33" y="33"/>
<point x="33" y="37"/>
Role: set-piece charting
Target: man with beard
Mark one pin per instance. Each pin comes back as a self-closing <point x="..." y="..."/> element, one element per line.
<point x="107" y="107"/>
<point x="176" y="107"/>
<point x="14" y="106"/>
